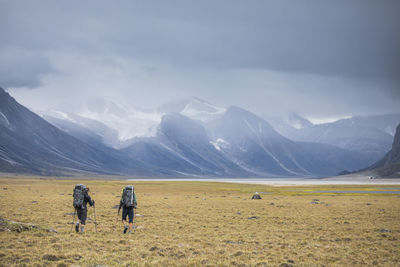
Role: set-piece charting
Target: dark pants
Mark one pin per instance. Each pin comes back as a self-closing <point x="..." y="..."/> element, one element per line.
<point x="82" y="214"/>
<point x="127" y="212"/>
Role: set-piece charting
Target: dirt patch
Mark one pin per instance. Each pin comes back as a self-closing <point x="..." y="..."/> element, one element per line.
<point x="50" y="257"/>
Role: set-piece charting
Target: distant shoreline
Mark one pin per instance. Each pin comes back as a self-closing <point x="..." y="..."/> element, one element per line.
<point x="350" y="179"/>
<point x="336" y="180"/>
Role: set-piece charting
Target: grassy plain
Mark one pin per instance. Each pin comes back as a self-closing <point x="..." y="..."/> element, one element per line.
<point x="200" y="223"/>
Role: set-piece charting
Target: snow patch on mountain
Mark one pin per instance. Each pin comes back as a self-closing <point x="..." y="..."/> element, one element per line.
<point x="4" y="118"/>
<point x="3" y="155"/>
<point x="179" y="155"/>
<point x="220" y="143"/>
<point x="61" y="115"/>
<point x="201" y="110"/>
<point x="261" y="144"/>
<point x="133" y="124"/>
<point x="9" y="160"/>
<point x="390" y="130"/>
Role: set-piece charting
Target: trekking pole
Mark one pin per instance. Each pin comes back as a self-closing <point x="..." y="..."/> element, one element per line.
<point x="73" y="220"/>
<point x="116" y="224"/>
<point x="134" y="219"/>
<point x="116" y="220"/>
<point x="95" y="221"/>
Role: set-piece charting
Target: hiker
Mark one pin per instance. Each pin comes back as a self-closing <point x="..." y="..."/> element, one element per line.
<point x="128" y="204"/>
<point x="81" y="198"/>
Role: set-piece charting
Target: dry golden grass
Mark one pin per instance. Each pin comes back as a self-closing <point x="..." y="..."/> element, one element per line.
<point x="200" y="223"/>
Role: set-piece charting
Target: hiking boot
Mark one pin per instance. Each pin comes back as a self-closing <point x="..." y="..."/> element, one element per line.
<point x="77" y="227"/>
<point x="130" y="232"/>
<point x="125" y="229"/>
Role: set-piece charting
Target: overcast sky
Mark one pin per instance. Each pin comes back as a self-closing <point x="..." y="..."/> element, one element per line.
<point x="322" y="59"/>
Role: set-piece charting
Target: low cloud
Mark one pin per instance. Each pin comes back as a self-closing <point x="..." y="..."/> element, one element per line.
<point x="317" y="58"/>
<point x="22" y="68"/>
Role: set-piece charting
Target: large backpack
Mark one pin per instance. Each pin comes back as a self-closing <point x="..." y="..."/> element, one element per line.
<point x="127" y="196"/>
<point x="79" y="195"/>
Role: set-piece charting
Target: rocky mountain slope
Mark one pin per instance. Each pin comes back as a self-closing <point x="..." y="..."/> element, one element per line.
<point x="389" y="165"/>
<point x="253" y="144"/>
<point x="29" y="144"/>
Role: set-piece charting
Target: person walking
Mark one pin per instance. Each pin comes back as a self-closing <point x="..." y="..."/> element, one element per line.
<point x="81" y="198"/>
<point x="128" y="204"/>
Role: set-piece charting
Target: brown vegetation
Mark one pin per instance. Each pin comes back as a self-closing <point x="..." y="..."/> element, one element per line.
<point x="199" y="223"/>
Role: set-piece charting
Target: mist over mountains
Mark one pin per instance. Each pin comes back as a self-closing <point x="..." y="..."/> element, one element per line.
<point x="184" y="138"/>
<point x="370" y="135"/>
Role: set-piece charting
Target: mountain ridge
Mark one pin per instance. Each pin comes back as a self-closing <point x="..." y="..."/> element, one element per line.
<point x="230" y="142"/>
<point x="370" y="135"/>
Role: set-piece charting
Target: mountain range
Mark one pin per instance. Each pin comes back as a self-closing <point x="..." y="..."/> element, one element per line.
<point x="184" y="138"/>
<point x="370" y="135"/>
<point x="30" y="144"/>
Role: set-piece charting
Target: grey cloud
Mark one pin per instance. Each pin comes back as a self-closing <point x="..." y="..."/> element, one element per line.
<point x="21" y="68"/>
<point x="334" y="57"/>
<point x="352" y="38"/>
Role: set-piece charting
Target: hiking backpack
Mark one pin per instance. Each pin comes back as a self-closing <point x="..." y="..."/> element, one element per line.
<point x="127" y="196"/>
<point x="79" y="195"/>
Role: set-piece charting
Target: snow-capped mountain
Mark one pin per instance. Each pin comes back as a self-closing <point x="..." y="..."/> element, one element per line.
<point x="118" y="125"/>
<point x="254" y="145"/>
<point x="186" y="138"/>
<point x="370" y="135"/>
<point x="29" y="144"/>
<point x="183" y="145"/>
<point x="128" y="121"/>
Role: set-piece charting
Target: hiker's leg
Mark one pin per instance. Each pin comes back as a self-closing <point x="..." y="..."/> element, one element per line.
<point x="124" y="214"/>
<point x="130" y="214"/>
<point x="79" y="213"/>
<point x="83" y="219"/>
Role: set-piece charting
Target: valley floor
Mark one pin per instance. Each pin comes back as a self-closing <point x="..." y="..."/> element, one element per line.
<point x="189" y="223"/>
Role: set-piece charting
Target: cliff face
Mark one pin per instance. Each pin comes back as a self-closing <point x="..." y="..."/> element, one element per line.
<point x="389" y="166"/>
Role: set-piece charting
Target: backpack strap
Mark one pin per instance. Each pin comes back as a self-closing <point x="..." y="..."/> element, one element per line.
<point x="132" y="195"/>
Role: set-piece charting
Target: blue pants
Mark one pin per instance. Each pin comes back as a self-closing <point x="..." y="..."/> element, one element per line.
<point x="127" y="212"/>
<point x="82" y="213"/>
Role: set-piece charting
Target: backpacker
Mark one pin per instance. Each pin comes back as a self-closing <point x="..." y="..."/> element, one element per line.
<point x="127" y="196"/>
<point x="79" y="195"/>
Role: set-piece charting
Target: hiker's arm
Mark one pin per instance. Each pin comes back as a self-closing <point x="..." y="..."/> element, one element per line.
<point x="120" y="205"/>
<point x="91" y="202"/>
<point x="134" y="200"/>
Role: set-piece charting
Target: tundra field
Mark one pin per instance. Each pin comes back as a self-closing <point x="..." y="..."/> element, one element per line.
<point x="200" y="223"/>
